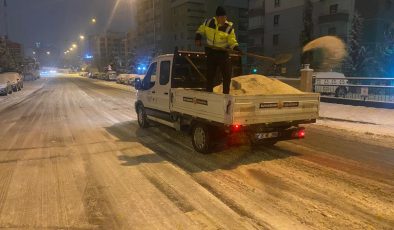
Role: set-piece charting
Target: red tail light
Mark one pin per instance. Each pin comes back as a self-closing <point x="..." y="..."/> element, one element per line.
<point x="300" y="133"/>
<point x="236" y="128"/>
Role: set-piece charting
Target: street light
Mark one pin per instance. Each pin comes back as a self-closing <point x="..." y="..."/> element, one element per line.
<point x="71" y="49"/>
<point x="34" y="53"/>
<point x="74" y="45"/>
<point x="48" y="53"/>
<point x="81" y="37"/>
<point x="94" y="21"/>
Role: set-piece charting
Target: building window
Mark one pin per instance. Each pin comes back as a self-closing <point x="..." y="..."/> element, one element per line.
<point x="275" y="40"/>
<point x="276" y="19"/>
<point x="334" y="9"/>
<point x="277" y="3"/>
<point x="332" y="31"/>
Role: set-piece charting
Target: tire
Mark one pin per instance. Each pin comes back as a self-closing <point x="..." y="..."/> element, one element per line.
<point x="142" y="118"/>
<point x="202" y="138"/>
<point x="340" y="92"/>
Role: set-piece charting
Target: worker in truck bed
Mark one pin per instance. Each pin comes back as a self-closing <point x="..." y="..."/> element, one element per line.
<point x="220" y="37"/>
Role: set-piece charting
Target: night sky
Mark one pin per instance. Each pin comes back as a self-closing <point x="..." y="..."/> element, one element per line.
<point x="59" y="22"/>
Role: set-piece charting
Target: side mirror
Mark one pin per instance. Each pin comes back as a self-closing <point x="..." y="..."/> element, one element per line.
<point x="137" y="83"/>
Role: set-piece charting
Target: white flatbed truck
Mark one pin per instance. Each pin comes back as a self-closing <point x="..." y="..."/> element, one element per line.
<point x="172" y="93"/>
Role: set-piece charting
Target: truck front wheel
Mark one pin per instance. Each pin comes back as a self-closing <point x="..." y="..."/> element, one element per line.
<point x="142" y="118"/>
<point x="202" y="138"/>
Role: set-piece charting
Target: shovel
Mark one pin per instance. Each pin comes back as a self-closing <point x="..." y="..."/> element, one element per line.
<point x="279" y="59"/>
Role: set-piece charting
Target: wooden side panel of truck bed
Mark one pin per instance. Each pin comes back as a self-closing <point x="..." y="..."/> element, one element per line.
<point x="246" y="110"/>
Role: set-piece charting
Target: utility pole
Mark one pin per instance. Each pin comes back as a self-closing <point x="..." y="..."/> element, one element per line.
<point x="154" y="27"/>
<point x="5" y="19"/>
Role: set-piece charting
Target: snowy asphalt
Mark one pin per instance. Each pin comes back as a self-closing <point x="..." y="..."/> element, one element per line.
<point x="72" y="156"/>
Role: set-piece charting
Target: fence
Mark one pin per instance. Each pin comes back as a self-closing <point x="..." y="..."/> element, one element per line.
<point x="356" y="88"/>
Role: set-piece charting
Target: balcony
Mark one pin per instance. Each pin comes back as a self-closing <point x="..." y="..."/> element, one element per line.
<point x="338" y="17"/>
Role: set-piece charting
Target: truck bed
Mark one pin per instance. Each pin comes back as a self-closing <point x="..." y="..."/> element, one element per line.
<point x="244" y="109"/>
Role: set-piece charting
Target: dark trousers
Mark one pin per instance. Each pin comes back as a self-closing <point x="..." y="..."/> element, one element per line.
<point x="218" y="59"/>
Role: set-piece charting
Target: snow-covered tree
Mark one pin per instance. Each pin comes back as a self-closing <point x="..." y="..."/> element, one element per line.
<point x="359" y="56"/>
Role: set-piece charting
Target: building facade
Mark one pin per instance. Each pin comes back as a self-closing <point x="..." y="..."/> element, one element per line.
<point x="163" y="25"/>
<point x="11" y="54"/>
<point x="280" y="22"/>
<point x="109" y="48"/>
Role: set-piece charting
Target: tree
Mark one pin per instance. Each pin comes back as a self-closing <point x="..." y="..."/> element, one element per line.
<point x="359" y="57"/>
<point x="385" y="54"/>
<point x="307" y="33"/>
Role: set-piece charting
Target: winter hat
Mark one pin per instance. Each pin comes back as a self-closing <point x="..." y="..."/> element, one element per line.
<point x="220" y="11"/>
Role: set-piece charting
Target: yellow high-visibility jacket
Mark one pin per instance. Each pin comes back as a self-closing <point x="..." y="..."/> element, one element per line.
<point x="217" y="36"/>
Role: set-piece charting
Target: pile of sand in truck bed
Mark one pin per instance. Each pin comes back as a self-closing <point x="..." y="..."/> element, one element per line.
<point x="257" y="85"/>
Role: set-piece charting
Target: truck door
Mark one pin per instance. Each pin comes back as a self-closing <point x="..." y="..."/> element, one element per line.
<point x="149" y="92"/>
<point x="162" y="86"/>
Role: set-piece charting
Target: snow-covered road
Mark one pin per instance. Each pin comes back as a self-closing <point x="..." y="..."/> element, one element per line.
<point x="72" y="156"/>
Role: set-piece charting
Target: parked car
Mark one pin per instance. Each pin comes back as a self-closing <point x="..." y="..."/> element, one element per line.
<point x="331" y="83"/>
<point x="131" y="80"/>
<point x="102" y="76"/>
<point x="122" y="78"/>
<point x="83" y="74"/>
<point x="5" y="85"/>
<point x="111" y="76"/>
<point x="94" y="75"/>
<point x="15" y="79"/>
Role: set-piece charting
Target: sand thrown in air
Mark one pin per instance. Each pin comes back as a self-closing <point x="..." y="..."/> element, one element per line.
<point x="333" y="49"/>
<point x="257" y="85"/>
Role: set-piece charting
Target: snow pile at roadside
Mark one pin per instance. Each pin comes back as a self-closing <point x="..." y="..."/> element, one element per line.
<point x="257" y="85"/>
<point x="357" y="119"/>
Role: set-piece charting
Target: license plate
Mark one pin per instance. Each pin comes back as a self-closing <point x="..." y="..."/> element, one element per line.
<point x="261" y="136"/>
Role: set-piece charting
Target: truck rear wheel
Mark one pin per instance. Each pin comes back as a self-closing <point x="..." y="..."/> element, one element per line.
<point x="142" y="118"/>
<point x="202" y="138"/>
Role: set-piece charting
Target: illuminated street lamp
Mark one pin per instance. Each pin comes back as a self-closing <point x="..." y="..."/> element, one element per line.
<point x="48" y="53"/>
<point x="34" y="52"/>
<point x="74" y="45"/>
<point x="81" y="37"/>
<point x="94" y="21"/>
<point x="71" y="49"/>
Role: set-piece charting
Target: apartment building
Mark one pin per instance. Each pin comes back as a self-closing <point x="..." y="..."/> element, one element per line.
<point x="153" y="27"/>
<point x="283" y="24"/>
<point x="175" y="22"/>
<point x="109" y="48"/>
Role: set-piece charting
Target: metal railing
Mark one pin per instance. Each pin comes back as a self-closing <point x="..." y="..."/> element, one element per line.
<point x="356" y="88"/>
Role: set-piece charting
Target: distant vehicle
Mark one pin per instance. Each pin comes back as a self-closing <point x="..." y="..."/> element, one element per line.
<point x="5" y="85"/>
<point x="331" y="83"/>
<point x="111" y="76"/>
<point x="31" y="70"/>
